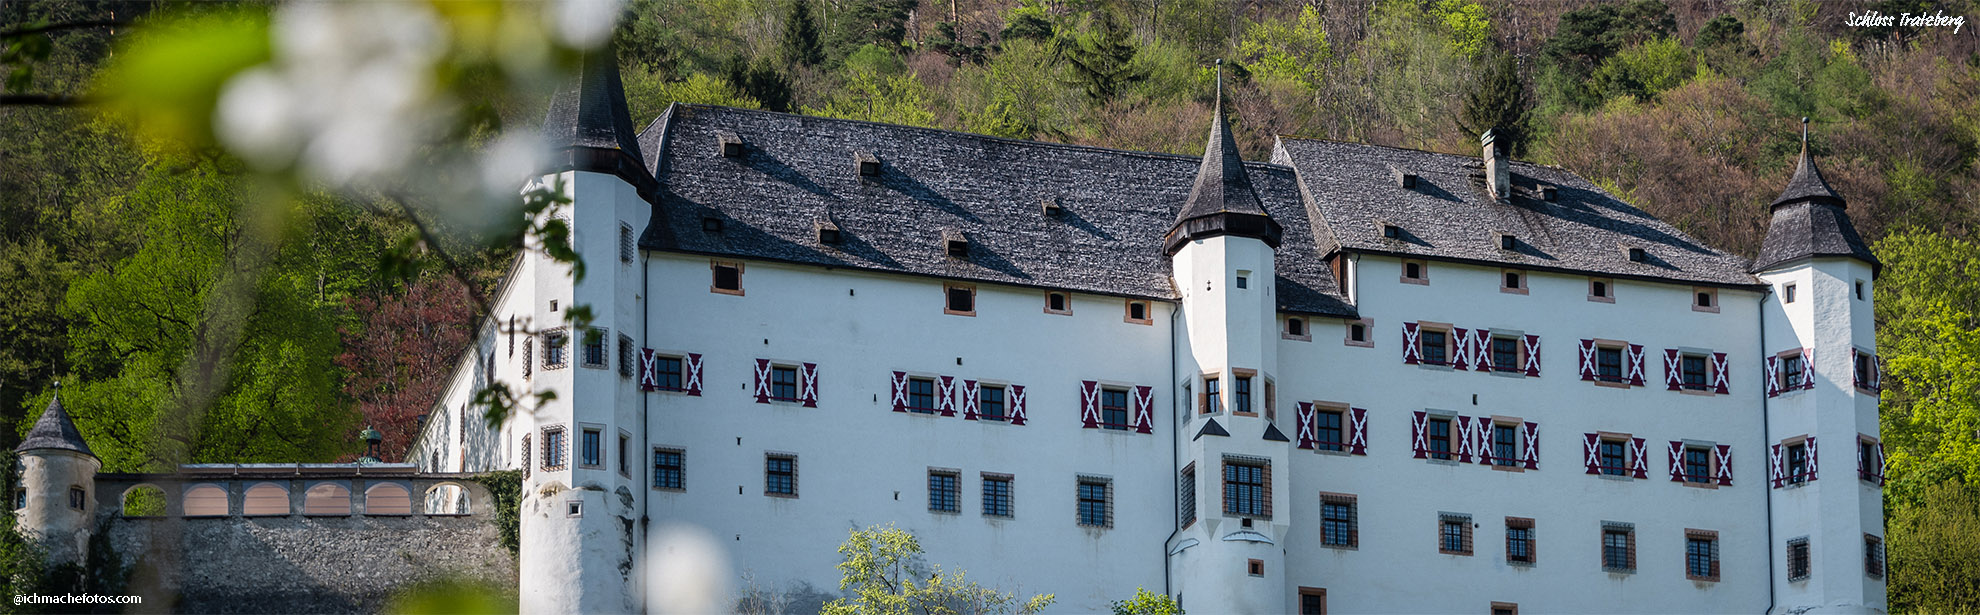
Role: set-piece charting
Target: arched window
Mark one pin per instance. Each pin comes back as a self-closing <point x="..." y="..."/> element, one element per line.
<point x="387" y="499"/>
<point x="446" y="499"/>
<point x="206" y="501"/>
<point x="327" y="499"/>
<point x="265" y="499"/>
<point x="144" y="501"/>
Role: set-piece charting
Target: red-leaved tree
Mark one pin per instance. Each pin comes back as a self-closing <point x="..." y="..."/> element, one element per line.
<point x="396" y="366"/>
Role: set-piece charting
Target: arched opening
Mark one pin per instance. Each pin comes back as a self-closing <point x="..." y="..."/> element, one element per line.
<point x="327" y="499"/>
<point x="144" y="501"/>
<point x="446" y="499"/>
<point x="265" y="499"/>
<point x="206" y="501"/>
<point x="387" y="499"/>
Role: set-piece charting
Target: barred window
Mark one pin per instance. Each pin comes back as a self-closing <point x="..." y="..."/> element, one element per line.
<point x="627" y="248"/>
<point x="1797" y="559"/>
<point x="780" y="475"/>
<point x="1701" y="555"/>
<point x="942" y="491"/>
<point x="1618" y="547"/>
<point x="996" y="495"/>
<point x="1454" y="533"/>
<point x="1519" y="540"/>
<point x="555" y="343"/>
<point x="1339" y="521"/>
<point x="594" y="348"/>
<point x="1095" y="505"/>
<point x="1873" y="556"/>
<point x="1186" y="495"/>
<point x="669" y="471"/>
<point x="525" y="456"/>
<point x="1247" y="490"/>
<point x="529" y="357"/>
<point x="627" y="360"/>
<point x="554" y="447"/>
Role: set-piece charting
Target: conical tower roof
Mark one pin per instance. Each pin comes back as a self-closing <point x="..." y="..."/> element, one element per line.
<point x="1807" y="183"/>
<point x="54" y="430"/>
<point x="589" y="126"/>
<point x="1809" y="220"/>
<point x="1222" y="202"/>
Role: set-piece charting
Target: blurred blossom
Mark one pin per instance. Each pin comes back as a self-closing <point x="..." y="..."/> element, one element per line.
<point x="584" y="24"/>
<point x="517" y="155"/>
<point x="686" y="572"/>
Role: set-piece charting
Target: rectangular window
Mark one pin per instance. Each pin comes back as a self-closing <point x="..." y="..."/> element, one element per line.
<point x="783" y="383"/>
<point x="1873" y="553"/>
<point x="1312" y="601"/>
<point x="628" y="358"/>
<point x="1869" y="464"/>
<point x="1186" y="495"/>
<point x="625" y="461"/>
<point x="1694" y="372"/>
<point x="780" y="475"/>
<point x="1505" y="354"/>
<point x="670" y="373"/>
<point x="1114" y="409"/>
<point x="1797" y="463"/>
<point x="1608" y="363"/>
<point x="626" y="245"/>
<point x="1241" y="396"/>
<point x="1245" y="489"/>
<point x="944" y="491"/>
<point x="592" y="449"/>
<point x="1618" y="547"/>
<point x="1093" y="503"/>
<point x="78" y="498"/>
<point x="668" y="470"/>
<point x="594" y="348"/>
<point x="1519" y="540"/>
<point x="1862" y="366"/>
<point x="1439" y="438"/>
<point x="554" y="344"/>
<point x="1797" y="559"/>
<point x="526" y="450"/>
<point x="1787" y="294"/>
<point x="1505" y="608"/>
<point x="1327" y="425"/>
<point x="1697" y="464"/>
<point x="728" y="278"/>
<point x="529" y="361"/>
<point x="990" y="403"/>
<point x="1339" y="521"/>
<point x="1454" y="534"/>
<point x="921" y="395"/>
<point x="1791" y="372"/>
<point x="1701" y="555"/>
<point x="1432" y="345"/>
<point x="1614" y="459"/>
<point x="997" y="495"/>
<point x="1505" y="444"/>
<point x="960" y="299"/>
<point x="554" y="448"/>
<point x="1212" y="395"/>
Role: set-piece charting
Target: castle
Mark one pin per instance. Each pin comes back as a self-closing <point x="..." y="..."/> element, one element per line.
<point x="1354" y="378"/>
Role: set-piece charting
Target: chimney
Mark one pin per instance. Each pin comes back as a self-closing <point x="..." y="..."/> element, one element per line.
<point x="1498" y="167"/>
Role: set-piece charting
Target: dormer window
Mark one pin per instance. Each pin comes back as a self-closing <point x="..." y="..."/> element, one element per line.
<point x="1550" y="193"/>
<point x="955" y="244"/>
<point x="869" y="165"/>
<point x="729" y="144"/>
<point x="828" y="233"/>
<point x="1508" y="242"/>
<point x="1404" y="179"/>
<point x="1051" y="206"/>
<point x="1391" y="231"/>
<point x="711" y="224"/>
<point x="1637" y="255"/>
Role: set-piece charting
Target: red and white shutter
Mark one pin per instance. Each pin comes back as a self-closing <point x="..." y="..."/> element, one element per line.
<point x="1410" y="349"/>
<point x="1882" y="464"/>
<point x="1773" y="376"/>
<point x="1530" y="454"/>
<point x="1587" y="359"/>
<point x="1673" y="370"/>
<point x="1862" y="464"/>
<point x="1807" y="369"/>
<point x="1591" y="453"/>
<point x="1856" y="375"/>
<point x="1640" y="456"/>
<point x="1481" y="350"/>
<point x="1532" y="356"/>
<point x="1877" y="373"/>
<point x="1775" y="473"/>
<point x="1089" y="404"/>
<point x="1358" y="443"/>
<point x="649" y="370"/>
<point x="900" y="391"/>
<point x="693" y="373"/>
<point x="1719" y="378"/>
<point x="1466" y="438"/>
<point x="1417" y="443"/>
<point x="1144" y="409"/>
<point x="1677" y="461"/>
<point x="945" y="394"/>
<point x="1304" y="418"/>
<point x="1017" y="404"/>
<point x="1484" y="446"/>
<point x="762" y="381"/>
<point x="1461" y="340"/>
<point x="969" y="400"/>
<point x="1636" y="366"/>
<point x="1725" y="453"/>
<point x="1813" y="466"/>
<point x="808" y="384"/>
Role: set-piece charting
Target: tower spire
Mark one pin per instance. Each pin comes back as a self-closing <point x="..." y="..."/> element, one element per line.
<point x="1809" y="220"/>
<point x="54" y="430"/>
<point x="1223" y="201"/>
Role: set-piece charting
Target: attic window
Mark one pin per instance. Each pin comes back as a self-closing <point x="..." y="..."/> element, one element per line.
<point x="1637" y="255"/>
<point x="1403" y="178"/>
<point x="729" y="144"/>
<point x="711" y="224"/>
<point x="1051" y="206"/>
<point x="828" y="232"/>
<point x="955" y="244"/>
<point x="1508" y="242"/>
<point x="1391" y="231"/>
<point x="1550" y="193"/>
<point x="869" y="166"/>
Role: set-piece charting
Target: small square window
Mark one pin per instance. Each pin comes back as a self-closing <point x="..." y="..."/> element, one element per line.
<point x="1705" y="300"/>
<point x="1505" y="352"/>
<point x="1391" y="231"/>
<point x="990" y="403"/>
<point x="728" y="278"/>
<point x="1415" y="272"/>
<point x="1058" y="303"/>
<point x="1453" y="534"/>
<point x="1694" y="372"/>
<point x="711" y="224"/>
<point x="574" y="509"/>
<point x="1433" y="346"/>
<point x="961" y="299"/>
<point x="1296" y="329"/>
<point x="1509" y="608"/>
<point x="783" y="383"/>
<point x="1137" y="313"/>
<point x="921" y="395"/>
<point x="1601" y="290"/>
<point x="1637" y="255"/>
<point x="1512" y="282"/>
<point x="1508" y="242"/>
<point x="1254" y="567"/>
<point x="1243" y="280"/>
<point x="669" y="373"/>
<point x="1358" y="333"/>
<point x="1313" y="601"/>
<point x="780" y="475"/>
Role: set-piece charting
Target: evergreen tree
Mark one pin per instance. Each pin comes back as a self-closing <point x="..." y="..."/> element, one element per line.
<point x="760" y="81"/>
<point x="862" y="22"/>
<point x="800" y="45"/>
<point x="1498" y="102"/>
<point x="1102" y="59"/>
<point x="1028" y="21"/>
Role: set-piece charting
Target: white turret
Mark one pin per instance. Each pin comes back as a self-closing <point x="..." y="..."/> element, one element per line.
<point x="58" y="485"/>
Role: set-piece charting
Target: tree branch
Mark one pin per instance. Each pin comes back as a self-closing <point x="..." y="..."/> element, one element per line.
<point x="58" y="27"/>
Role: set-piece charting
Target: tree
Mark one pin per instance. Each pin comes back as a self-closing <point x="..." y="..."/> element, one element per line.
<point x="1586" y="38"/>
<point x="875" y="22"/>
<point x="396" y="362"/>
<point x="1146" y="602"/>
<point x="1928" y="308"/>
<point x="1102" y="59"/>
<point x="1934" y="551"/>
<point x="1028" y="21"/>
<point x="1644" y="71"/>
<point x="884" y="572"/>
<point x="799" y="45"/>
<point x="1498" y="102"/>
<point x="1297" y="51"/>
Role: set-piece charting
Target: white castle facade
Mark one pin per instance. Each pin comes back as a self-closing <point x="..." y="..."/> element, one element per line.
<point x="1355" y="379"/>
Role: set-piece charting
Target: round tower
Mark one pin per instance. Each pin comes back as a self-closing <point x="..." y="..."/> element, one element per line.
<point x="1221" y="251"/>
<point x="57" y="504"/>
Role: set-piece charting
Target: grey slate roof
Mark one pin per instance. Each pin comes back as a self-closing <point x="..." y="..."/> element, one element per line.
<point x="54" y="430"/>
<point x="590" y="111"/>
<point x="797" y="172"/>
<point x="1807" y="183"/>
<point x="1221" y="183"/>
<point x="1809" y="229"/>
<point x="1450" y="215"/>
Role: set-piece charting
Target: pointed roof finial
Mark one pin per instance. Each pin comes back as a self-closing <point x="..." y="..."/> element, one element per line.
<point x="1222" y="201"/>
<point x="1807" y="183"/>
<point x="1804" y="133"/>
<point x="1220" y="85"/>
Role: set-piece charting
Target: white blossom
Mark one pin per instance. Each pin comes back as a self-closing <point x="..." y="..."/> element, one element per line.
<point x="584" y="24"/>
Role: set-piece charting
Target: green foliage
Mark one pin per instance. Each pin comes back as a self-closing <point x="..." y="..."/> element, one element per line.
<point x="1017" y="94"/>
<point x="144" y="502"/>
<point x="1928" y="304"/>
<point x="876" y="96"/>
<point x="1294" y="50"/>
<point x="1586" y="38"/>
<point x="800" y="45"/>
<point x="1028" y="21"/>
<point x="883" y="571"/>
<point x="647" y="95"/>
<point x="864" y="22"/>
<point x="1644" y="71"/>
<point x="1934" y="550"/>
<point x="453" y="596"/>
<point x="1470" y="31"/>
<point x="1721" y="31"/>
<point x="759" y="81"/>
<point x="1498" y="102"/>
<point x="170" y="78"/>
<point x="506" y="491"/>
<point x="1102" y="59"/>
<point x="1146" y="602"/>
